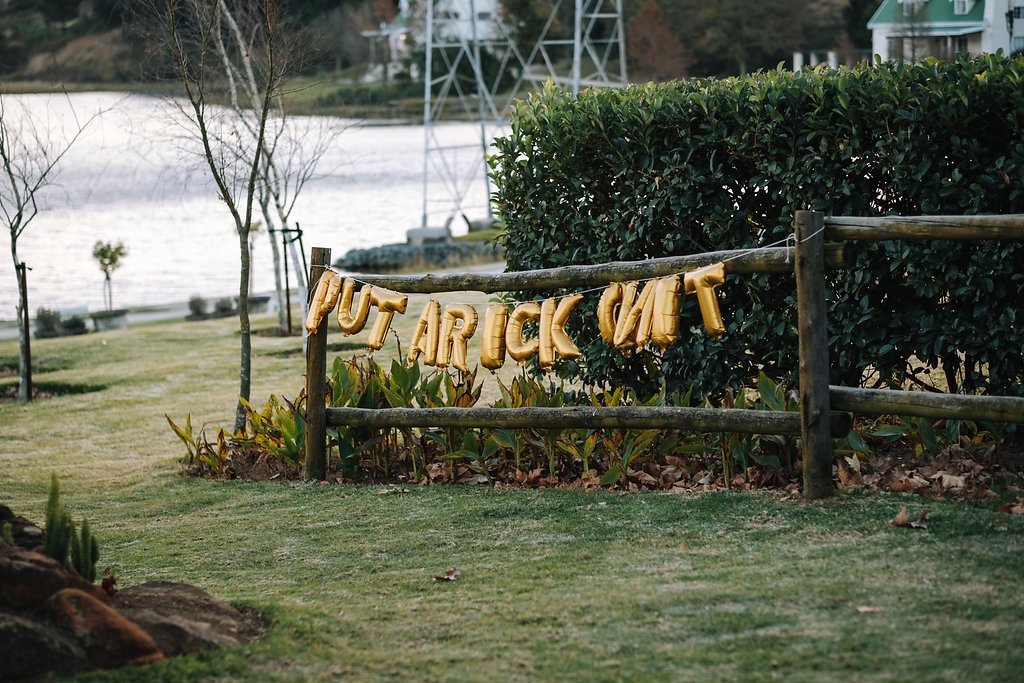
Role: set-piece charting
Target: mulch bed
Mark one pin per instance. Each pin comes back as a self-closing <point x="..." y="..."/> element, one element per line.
<point x="955" y="473"/>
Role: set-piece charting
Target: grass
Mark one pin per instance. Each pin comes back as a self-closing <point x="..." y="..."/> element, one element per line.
<point x="554" y="585"/>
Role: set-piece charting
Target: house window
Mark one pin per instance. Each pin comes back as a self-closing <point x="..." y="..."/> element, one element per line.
<point x="912" y="7"/>
<point x="896" y="49"/>
<point x="960" y="45"/>
<point x="962" y="6"/>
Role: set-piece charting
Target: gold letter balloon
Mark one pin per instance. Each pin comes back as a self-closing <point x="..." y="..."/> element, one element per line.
<point x="629" y="317"/>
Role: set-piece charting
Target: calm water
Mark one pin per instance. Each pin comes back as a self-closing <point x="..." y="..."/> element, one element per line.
<point x="133" y="177"/>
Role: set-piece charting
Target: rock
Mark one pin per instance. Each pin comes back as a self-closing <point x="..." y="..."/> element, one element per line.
<point x="26" y="534"/>
<point x="420" y="236"/>
<point x="32" y="648"/>
<point x="109" y="638"/>
<point x="28" y="579"/>
<point x="182" y="618"/>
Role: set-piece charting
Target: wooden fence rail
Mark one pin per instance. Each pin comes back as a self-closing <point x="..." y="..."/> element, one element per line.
<point x="740" y="262"/>
<point x="927" y="404"/>
<point x="816" y="422"/>
<point x="620" y="417"/>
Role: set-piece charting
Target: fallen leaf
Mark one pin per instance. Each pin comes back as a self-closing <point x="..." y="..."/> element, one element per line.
<point x="1013" y="508"/>
<point x="902" y="519"/>
<point x="949" y="481"/>
<point x="449" y="575"/>
<point x="389" y="491"/>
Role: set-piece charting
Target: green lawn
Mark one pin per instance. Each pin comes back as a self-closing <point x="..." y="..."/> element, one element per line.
<point x="554" y="585"/>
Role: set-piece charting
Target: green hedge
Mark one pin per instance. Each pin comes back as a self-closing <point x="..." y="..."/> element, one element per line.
<point x="696" y="166"/>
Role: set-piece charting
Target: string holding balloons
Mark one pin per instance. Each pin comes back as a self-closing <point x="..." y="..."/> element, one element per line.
<point x="629" y="317"/>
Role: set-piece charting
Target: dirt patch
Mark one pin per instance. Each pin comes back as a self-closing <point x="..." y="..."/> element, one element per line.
<point x="44" y="390"/>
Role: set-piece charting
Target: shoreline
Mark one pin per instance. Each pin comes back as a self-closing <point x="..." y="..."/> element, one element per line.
<point x="140" y="315"/>
<point x="401" y="112"/>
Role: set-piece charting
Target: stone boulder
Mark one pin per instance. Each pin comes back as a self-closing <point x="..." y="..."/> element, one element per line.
<point x="28" y="579"/>
<point x="109" y="639"/>
<point x="25" y="534"/>
<point x="32" y="647"/>
<point x="182" y="618"/>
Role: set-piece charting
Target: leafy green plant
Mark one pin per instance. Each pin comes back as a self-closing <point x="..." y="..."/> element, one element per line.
<point x="200" y="454"/>
<point x="280" y="430"/>
<point x="580" y="445"/>
<point x="61" y="540"/>
<point x="917" y="431"/>
<point x="59" y="526"/>
<point x="85" y="552"/>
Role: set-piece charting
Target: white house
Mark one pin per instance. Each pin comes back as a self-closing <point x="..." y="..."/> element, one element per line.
<point x="915" y="29"/>
<point x="455" y="21"/>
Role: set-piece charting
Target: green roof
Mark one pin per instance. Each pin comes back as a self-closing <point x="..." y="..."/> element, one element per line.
<point x="933" y="12"/>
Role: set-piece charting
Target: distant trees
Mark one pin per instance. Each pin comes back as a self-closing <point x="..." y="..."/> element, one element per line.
<point x="739" y="36"/>
<point x="655" y="52"/>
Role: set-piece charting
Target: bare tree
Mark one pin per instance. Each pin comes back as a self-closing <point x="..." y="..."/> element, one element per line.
<point x="30" y="154"/>
<point x="289" y="160"/>
<point x="208" y="42"/>
<point x="292" y="156"/>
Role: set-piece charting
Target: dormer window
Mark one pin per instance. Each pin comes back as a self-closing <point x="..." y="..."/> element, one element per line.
<point x="962" y="6"/>
<point x="911" y="8"/>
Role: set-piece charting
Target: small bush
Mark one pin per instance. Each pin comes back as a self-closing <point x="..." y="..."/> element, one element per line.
<point x="48" y="323"/>
<point x="223" y="307"/>
<point x="73" y="326"/>
<point x="197" y="308"/>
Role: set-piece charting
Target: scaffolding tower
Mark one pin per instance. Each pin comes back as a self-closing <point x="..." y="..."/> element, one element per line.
<point x="475" y="68"/>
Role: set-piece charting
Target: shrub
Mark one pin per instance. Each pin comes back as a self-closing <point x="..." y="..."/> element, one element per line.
<point x="223" y="307"/>
<point x="73" y="326"/>
<point x="47" y="323"/>
<point x="197" y="308"/>
<point x="688" y="167"/>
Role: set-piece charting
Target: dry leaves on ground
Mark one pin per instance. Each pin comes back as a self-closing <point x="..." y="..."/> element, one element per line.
<point x="902" y="519"/>
<point x="449" y="575"/>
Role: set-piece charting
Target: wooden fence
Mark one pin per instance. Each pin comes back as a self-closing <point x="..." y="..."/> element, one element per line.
<point x="820" y="246"/>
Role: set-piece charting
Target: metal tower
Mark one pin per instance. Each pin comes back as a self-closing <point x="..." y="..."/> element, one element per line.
<point x="475" y="69"/>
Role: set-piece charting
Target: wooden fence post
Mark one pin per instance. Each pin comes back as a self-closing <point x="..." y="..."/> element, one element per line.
<point x="315" y="464"/>
<point x="26" y="330"/>
<point x="813" y="348"/>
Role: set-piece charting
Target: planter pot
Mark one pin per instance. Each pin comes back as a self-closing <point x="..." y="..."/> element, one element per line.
<point x="110" y="320"/>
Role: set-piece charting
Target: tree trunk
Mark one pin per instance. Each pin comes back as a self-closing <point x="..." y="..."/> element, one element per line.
<point x="23" y="363"/>
<point x="108" y="293"/>
<point x="275" y="252"/>
<point x="245" y="364"/>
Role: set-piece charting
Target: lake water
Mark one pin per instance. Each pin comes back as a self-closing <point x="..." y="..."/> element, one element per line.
<point x="134" y="176"/>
